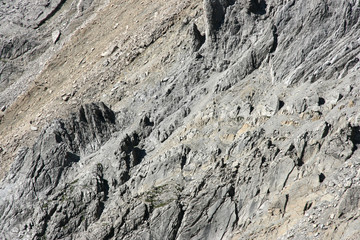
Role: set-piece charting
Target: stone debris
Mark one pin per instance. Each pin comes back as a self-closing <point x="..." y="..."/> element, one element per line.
<point x="65" y="97"/>
<point x="110" y="50"/>
<point x="243" y="128"/>
<point x="55" y="36"/>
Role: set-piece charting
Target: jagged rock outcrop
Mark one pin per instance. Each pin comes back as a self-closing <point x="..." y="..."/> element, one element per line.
<point x="253" y="134"/>
<point x="39" y="172"/>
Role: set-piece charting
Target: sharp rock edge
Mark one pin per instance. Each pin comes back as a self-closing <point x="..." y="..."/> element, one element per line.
<point x="254" y="136"/>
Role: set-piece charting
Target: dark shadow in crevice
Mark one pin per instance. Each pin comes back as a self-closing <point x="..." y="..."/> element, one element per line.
<point x="307" y="206"/>
<point x="285" y="204"/>
<point x="183" y="162"/>
<point x="71" y="157"/>
<point x="355" y="137"/>
<point x="258" y="7"/>
<point x="146" y="122"/>
<point x="321" y="101"/>
<point x="105" y="188"/>
<point x="275" y="40"/>
<point x="180" y="218"/>
<point x="138" y="154"/>
<point x="281" y="104"/>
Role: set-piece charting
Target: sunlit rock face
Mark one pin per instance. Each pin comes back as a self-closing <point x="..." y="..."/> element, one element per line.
<point x="214" y="119"/>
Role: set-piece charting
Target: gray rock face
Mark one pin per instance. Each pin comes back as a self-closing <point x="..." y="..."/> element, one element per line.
<point x="38" y="173"/>
<point x="254" y="135"/>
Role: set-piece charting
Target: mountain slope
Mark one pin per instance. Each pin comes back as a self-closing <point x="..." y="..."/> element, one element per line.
<point x="230" y="120"/>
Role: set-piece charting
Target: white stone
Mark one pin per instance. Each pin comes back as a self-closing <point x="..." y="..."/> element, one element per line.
<point x="55" y="35"/>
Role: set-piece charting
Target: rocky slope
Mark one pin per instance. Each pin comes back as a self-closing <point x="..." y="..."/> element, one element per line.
<point x="214" y="119"/>
<point x="31" y="33"/>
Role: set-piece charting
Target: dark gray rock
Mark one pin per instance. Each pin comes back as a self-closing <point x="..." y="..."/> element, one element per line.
<point x="254" y="136"/>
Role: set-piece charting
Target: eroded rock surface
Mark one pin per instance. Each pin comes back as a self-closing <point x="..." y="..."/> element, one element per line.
<point x="28" y="32"/>
<point x="252" y="132"/>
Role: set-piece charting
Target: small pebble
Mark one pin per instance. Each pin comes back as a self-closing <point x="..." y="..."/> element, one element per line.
<point x="348" y="183"/>
<point x="65" y="98"/>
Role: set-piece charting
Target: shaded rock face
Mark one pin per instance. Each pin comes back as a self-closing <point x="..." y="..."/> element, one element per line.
<point x="254" y="135"/>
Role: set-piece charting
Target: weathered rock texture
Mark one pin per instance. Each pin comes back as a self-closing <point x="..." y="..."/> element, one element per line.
<point x="28" y="32"/>
<point x="238" y="120"/>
